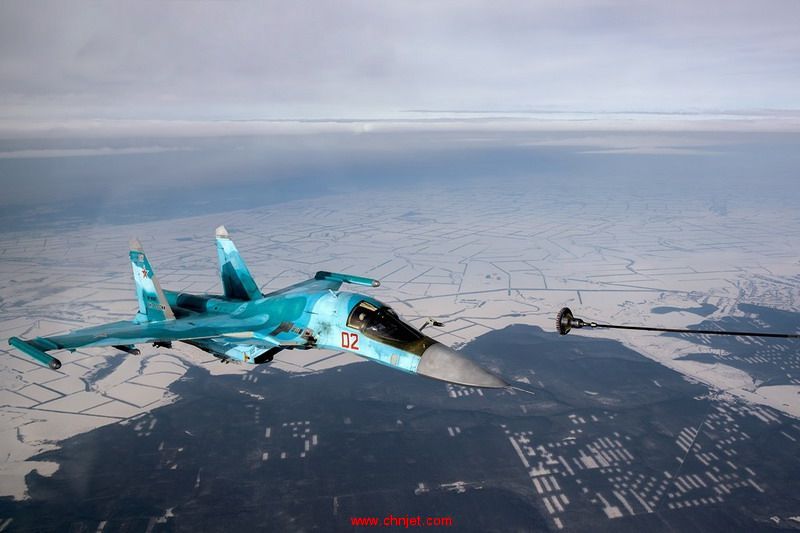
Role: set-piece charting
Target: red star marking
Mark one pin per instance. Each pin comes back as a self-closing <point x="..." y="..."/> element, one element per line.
<point x="144" y="273"/>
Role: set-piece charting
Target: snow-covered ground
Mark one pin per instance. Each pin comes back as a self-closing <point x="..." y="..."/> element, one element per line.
<point x="478" y="260"/>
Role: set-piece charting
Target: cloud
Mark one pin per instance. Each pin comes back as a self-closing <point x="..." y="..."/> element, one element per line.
<point x="246" y="60"/>
<point x="465" y="124"/>
<point x="85" y="152"/>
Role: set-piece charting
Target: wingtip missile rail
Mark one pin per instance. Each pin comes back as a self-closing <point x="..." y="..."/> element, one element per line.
<point x="28" y="348"/>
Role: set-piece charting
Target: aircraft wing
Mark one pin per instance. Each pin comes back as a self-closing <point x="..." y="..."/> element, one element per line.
<point x="324" y="281"/>
<point x="127" y="333"/>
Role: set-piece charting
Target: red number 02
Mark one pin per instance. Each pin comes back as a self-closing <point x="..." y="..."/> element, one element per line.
<point x="350" y="340"/>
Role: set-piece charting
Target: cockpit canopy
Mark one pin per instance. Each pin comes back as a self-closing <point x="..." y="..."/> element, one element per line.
<point x="383" y="325"/>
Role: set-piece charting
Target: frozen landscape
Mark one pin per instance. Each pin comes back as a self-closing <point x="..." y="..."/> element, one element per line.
<point x="478" y="260"/>
<point x="490" y="164"/>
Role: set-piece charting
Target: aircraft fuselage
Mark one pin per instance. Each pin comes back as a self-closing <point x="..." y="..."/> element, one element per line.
<point x="314" y="320"/>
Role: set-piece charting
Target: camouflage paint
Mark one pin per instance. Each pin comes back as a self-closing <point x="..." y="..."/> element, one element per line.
<point x="243" y="324"/>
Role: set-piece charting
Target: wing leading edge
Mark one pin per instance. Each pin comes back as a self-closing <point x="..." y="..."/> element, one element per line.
<point x="324" y="281"/>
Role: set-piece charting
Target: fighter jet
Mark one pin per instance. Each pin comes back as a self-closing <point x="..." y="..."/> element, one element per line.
<point x="246" y="326"/>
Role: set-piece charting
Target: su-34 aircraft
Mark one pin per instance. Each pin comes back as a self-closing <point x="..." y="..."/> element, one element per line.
<point x="247" y="326"/>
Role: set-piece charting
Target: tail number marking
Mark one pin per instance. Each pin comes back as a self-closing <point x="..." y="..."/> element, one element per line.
<point x="349" y="340"/>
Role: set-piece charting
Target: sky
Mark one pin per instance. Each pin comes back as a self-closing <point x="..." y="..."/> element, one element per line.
<point x="105" y="99"/>
<point x="285" y="60"/>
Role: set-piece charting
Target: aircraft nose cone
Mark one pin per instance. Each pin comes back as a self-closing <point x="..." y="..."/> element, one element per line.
<point x="441" y="362"/>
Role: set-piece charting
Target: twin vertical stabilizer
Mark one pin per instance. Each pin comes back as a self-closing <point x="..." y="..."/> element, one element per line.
<point x="153" y="306"/>
<point x="237" y="282"/>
